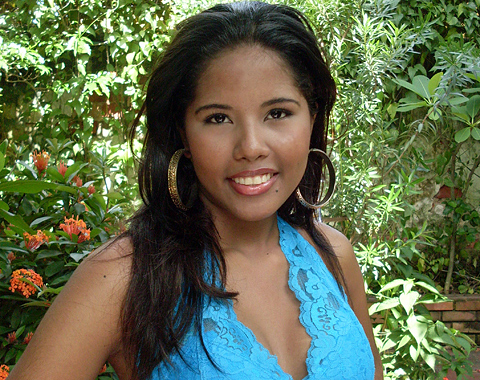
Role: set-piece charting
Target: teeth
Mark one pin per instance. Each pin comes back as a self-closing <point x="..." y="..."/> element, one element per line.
<point x="249" y="181"/>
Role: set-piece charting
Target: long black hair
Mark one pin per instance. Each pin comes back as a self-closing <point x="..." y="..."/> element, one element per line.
<point x="168" y="283"/>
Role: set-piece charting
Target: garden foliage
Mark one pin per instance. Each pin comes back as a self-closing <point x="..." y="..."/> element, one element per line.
<point x="405" y="139"/>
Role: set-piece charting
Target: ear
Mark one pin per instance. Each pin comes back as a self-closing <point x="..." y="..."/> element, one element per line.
<point x="183" y="136"/>
<point x="312" y="121"/>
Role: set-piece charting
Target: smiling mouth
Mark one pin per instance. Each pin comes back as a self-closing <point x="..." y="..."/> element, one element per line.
<point x="252" y="181"/>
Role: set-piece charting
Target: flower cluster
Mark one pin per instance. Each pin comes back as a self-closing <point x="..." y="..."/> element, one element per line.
<point x="40" y="160"/>
<point x="76" y="227"/>
<point x="28" y="338"/>
<point x="62" y="168"/>
<point x="77" y="180"/>
<point x="25" y="281"/>
<point x="91" y="189"/>
<point x="32" y="242"/>
<point x="12" y="338"/>
<point x="4" y="371"/>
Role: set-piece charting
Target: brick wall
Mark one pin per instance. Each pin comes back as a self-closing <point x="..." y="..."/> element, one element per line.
<point x="462" y="313"/>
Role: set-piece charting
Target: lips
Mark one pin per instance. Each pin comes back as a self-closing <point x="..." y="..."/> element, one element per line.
<point x="253" y="182"/>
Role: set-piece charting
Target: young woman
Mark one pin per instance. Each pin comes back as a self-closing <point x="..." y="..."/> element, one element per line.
<point x="224" y="272"/>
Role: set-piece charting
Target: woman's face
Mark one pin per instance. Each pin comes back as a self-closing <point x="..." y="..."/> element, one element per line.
<point x="248" y="132"/>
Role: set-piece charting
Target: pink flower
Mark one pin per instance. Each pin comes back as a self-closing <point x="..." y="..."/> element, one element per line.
<point x="62" y="168"/>
<point x="40" y="160"/>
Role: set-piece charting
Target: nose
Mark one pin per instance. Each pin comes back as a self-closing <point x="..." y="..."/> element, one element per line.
<point x="251" y="142"/>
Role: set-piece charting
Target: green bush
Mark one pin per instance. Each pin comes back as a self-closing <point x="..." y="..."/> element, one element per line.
<point x="406" y="122"/>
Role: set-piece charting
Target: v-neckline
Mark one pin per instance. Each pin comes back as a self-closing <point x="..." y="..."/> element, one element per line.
<point x="249" y="331"/>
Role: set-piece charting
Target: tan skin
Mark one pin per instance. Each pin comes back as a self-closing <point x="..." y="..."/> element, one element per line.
<point x="82" y="328"/>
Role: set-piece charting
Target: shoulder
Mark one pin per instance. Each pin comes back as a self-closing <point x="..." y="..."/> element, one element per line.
<point x="341" y="246"/>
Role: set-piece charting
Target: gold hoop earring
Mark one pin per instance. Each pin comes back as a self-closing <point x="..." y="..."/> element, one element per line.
<point x="172" y="182"/>
<point x="331" y="185"/>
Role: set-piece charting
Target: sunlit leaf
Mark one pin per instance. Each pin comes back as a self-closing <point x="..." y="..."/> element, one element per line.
<point x="462" y="135"/>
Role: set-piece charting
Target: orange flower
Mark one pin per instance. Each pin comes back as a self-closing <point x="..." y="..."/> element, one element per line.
<point x="32" y="242"/>
<point x="91" y="189"/>
<point x="103" y="369"/>
<point x="62" y="168"/>
<point x="25" y="281"/>
<point x="76" y="227"/>
<point x="4" y="370"/>
<point x="40" y="160"/>
<point x="11" y="256"/>
<point x="12" y="337"/>
<point x="28" y="338"/>
<point x="77" y="181"/>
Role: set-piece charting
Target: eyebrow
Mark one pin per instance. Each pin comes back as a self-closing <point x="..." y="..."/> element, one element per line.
<point x="279" y="100"/>
<point x="214" y="105"/>
<point x="264" y="104"/>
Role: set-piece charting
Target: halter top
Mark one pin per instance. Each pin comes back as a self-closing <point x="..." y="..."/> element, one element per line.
<point x="339" y="348"/>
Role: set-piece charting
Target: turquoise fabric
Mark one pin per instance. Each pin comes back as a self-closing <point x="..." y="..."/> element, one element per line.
<point x="339" y="348"/>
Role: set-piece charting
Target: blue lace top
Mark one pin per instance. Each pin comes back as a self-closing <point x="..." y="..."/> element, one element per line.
<point x="339" y="348"/>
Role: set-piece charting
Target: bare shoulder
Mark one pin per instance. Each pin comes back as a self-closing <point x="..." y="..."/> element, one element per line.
<point x="339" y="242"/>
<point x="82" y="328"/>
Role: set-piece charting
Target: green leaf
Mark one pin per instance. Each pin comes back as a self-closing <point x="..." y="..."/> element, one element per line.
<point x="7" y="246"/>
<point x="462" y="135"/>
<point x="411" y="106"/>
<point x="3" y="146"/>
<point x="406" y="339"/>
<point x="67" y="188"/>
<point x="3" y="205"/>
<point x="53" y="268"/>
<point x="416" y="328"/>
<point x="384" y="305"/>
<point x="74" y="169"/>
<point x="53" y="173"/>
<point x="413" y="353"/>
<point x="28" y="186"/>
<point x="16" y="220"/>
<point x="47" y="253"/>
<point x="407" y="300"/>
<point x="40" y="220"/>
<point x="100" y="200"/>
<point x="433" y="83"/>
<point x="429" y="359"/>
<point x="473" y="106"/>
<point x="392" y="284"/>
<point x="2" y="161"/>
<point x="476" y="133"/>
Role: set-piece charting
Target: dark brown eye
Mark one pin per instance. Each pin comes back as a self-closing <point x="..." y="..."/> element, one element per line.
<point x="217" y="118"/>
<point x="278" y="114"/>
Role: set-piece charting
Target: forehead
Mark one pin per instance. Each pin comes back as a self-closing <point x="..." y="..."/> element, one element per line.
<point x="243" y="68"/>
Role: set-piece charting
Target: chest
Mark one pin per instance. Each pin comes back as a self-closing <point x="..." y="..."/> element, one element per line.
<point x="270" y="310"/>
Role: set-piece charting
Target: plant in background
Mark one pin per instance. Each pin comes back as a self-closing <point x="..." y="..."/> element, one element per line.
<point x="48" y="224"/>
<point x="406" y="120"/>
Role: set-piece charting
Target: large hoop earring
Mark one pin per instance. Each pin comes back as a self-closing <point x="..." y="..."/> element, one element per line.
<point x="331" y="185"/>
<point x="172" y="182"/>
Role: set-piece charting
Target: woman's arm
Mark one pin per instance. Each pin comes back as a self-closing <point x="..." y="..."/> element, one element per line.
<point x="354" y="284"/>
<point x="81" y="330"/>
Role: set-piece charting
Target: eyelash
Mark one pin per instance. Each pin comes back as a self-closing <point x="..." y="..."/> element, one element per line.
<point x="285" y="113"/>
<point x="211" y="118"/>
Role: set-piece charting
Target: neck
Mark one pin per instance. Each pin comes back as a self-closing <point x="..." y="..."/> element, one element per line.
<point x="249" y="239"/>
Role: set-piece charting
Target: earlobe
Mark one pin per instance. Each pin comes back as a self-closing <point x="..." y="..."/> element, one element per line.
<point x="312" y="121"/>
<point x="183" y="136"/>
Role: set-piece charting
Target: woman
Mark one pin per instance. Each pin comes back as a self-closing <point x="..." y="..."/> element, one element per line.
<point x="224" y="273"/>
